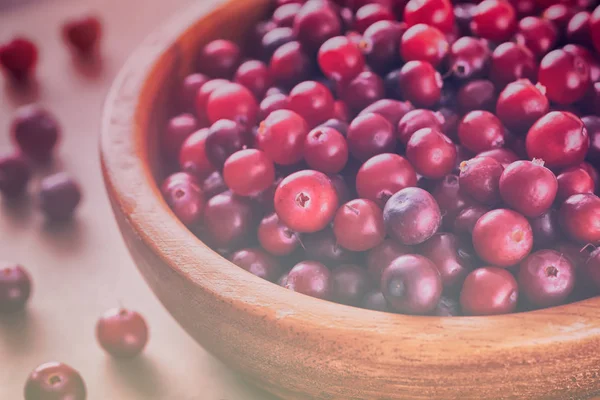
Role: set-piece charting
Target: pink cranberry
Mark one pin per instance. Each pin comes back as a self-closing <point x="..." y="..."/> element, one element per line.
<point x="431" y="153"/>
<point x="232" y="101"/>
<point x="54" y="380"/>
<point x="316" y="22"/>
<point x="254" y="75"/>
<point x="202" y="95"/>
<point x="382" y="255"/>
<point x="35" y="131"/>
<point x="15" y="288"/>
<point x="322" y="246"/>
<point x="383" y="175"/>
<point x="465" y="220"/>
<point x="392" y="110"/>
<point x="565" y="76"/>
<point x="349" y="284"/>
<point x="369" y="14"/>
<point x="325" y="150"/>
<point x="219" y="59"/>
<point x="494" y="20"/>
<point x="449" y="197"/>
<point x="193" y="157"/>
<point x="313" y="101"/>
<point x="538" y="34"/>
<point x="380" y="44"/>
<point x="420" y="83"/>
<point x="59" y="196"/>
<point x="559" y="15"/>
<point x="15" y="173"/>
<point x="275" y="237"/>
<point x="480" y="131"/>
<point x="310" y="278"/>
<point x="83" y="33"/>
<point x="224" y="138"/>
<point x="370" y="134"/>
<point x="284" y="14"/>
<point x="422" y="42"/>
<point x="574" y="180"/>
<point x="248" y="172"/>
<point x="578" y="29"/>
<point x="414" y="120"/>
<point x="122" y="333"/>
<point x="18" y="58"/>
<point x="478" y="94"/>
<point x="511" y="62"/>
<point x="189" y="88"/>
<point x="580" y="218"/>
<point x="282" y="135"/>
<point x="340" y="59"/>
<point x="437" y="13"/>
<point x="183" y="194"/>
<point x="469" y="58"/>
<point x="290" y="65"/>
<point x="489" y="291"/>
<point x="480" y="178"/>
<point x="358" y="225"/>
<point x="502" y="155"/>
<point x="546" y="231"/>
<point x="365" y="89"/>
<point x="521" y="104"/>
<point x="258" y="263"/>
<point x="270" y="103"/>
<point x="444" y="250"/>
<point x="589" y="57"/>
<point x="178" y="129"/>
<point x="228" y="220"/>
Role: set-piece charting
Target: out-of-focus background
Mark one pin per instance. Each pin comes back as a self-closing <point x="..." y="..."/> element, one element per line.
<point x="82" y="269"/>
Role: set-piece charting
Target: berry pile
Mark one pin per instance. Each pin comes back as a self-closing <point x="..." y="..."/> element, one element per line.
<point x="414" y="156"/>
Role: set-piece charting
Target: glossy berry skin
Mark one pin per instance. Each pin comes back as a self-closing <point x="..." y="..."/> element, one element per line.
<point x="436" y="13"/>
<point x="183" y="194"/>
<point x="592" y="124"/>
<point x="285" y="13"/>
<point x="565" y="76"/>
<point x="374" y="300"/>
<point x="306" y="201"/>
<point x="578" y="29"/>
<point x="478" y="94"/>
<point x="322" y="246"/>
<point x="494" y="20"/>
<point x="248" y="172"/>
<point x="412" y="216"/>
<point x="275" y="237"/>
<point x="224" y="138"/>
<point x="380" y="45"/>
<point x="369" y="14"/>
<point x="234" y="102"/>
<point x="391" y="110"/>
<point x="310" y="278"/>
<point x="349" y="284"/>
<point x="122" y="333"/>
<point x="383" y="175"/>
<point x="546" y="231"/>
<point x="447" y="307"/>
<point x="83" y="34"/>
<point x="254" y="75"/>
<point x="595" y="28"/>
<point x="189" y="87"/>
<point x="411" y="284"/>
<point x="449" y="197"/>
<point x="382" y="255"/>
<point x="502" y="155"/>
<point x="538" y="34"/>
<point x="489" y="291"/>
<point x="15" y="288"/>
<point x="358" y="225"/>
<point x="444" y="250"/>
<point x="588" y="56"/>
<point x="35" y="131"/>
<point x="290" y="65"/>
<point x="282" y="135"/>
<point x="213" y="185"/>
<point x="480" y="178"/>
<point x="258" y="263"/>
<point x="521" y="104"/>
<point x="546" y="278"/>
<point x="469" y="58"/>
<point x="511" y="62"/>
<point x="59" y="196"/>
<point x="316" y="22"/>
<point x="528" y="187"/>
<point x="480" y="131"/>
<point x="15" y="173"/>
<point x="325" y="150"/>
<point x="422" y="42"/>
<point x="559" y="138"/>
<point x="502" y="237"/>
<point x="340" y="59"/>
<point x="420" y="83"/>
<point x="178" y="129"/>
<point x="272" y="102"/>
<point x="228" y="220"/>
<point x="313" y="101"/>
<point x="18" y="58"/>
<point x="465" y="220"/>
<point x="275" y="39"/>
<point x="219" y="59"/>
<point x="54" y="381"/>
<point x="579" y="218"/>
<point x="574" y="180"/>
<point x="415" y="120"/>
<point x="370" y="134"/>
<point x="193" y="157"/>
<point x="431" y="153"/>
<point x="202" y="96"/>
<point x="365" y="89"/>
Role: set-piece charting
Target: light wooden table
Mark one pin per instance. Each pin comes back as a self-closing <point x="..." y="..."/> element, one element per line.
<point x="83" y="269"/>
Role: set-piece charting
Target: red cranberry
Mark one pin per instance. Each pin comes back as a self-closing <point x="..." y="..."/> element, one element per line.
<point x="323" y="246"/>
<point x="326" y="150"/>
<point x="54" y="380"/>
<point x="480" y="131"/>
<point x="202" y="95"/>
<point x="489" y="291"/>
<point x="219" y="59"/>
<point x="310" y="278"/>
<point x="274" y="39"/>
<point x="380" y="45"/>
<point x="521" y="104"/>
<point x="232" y="101"/>
<point x="502" y="237"/>
<point x="420" y="83"/>
<point x="574" y="180"/>
<point x="306" y="201"/>
<point x="565" y="76"/>
<point x="15" y="288"/>
<point x="431" y="153"/>
<point x="83" y="33"/>
<point x="449" y="197"/>
<point x="369" y="14"/>
<point x="15" y="173"/>
<point x="382" y="255"/>
<point x="392" y="110"/>
<point x="313" y="101"/>
<point x="369" y="135"/>
<point x="546" y="278"/>
<point x="340" y="113"/>
<point x="580" y="218"/>
<point x="478" y="94"/>
<point x="383" y="175"/>
<point x="213" y="185"/>
<point x="59" y="196"/>
<point x="228" y="220"/>
<point x="35" y="131"/>
<point x="592" y="172"/>
<point x="511" y="62"/>
<point x="494" y="20"/>
<point x="375" y="301"/>
<point x="503" y="156"/>
<point x="349" y="284"/>
<point x="444" y="250"/>
<point x="559" y="15"/>
<point x="316" y="22"/>
<point x="578" y="29"/>
<point x="272" y="103"/>
<point x="447" y="307"/>
<point x="122" y="333"/>
<point x="183" y="194"/>
<point x="424" y="43"/>
<point x="358" y="225"/>
<point x="248" y="172"/>
<point x="178" y="129"/>
<point x="275" y="237"/>
<point x="189" y="88"/>
<point x="363" y="90"/>
<point x="282" y="135"/>
<point x="340" y="59"/>
<point x="559" y="138"/>
<point x="338" y="125"/>
<point x="224" y="138"/>
<point x="465" y="220"/>
<point x="289" y="64"/>
<point x="411" y="284"/>
<point x="537" y="34"/>
<point x="595" y="28"/>
<point x="589" y="57"/>
<point x="412" y="216"/>
<point x="480" y="177"/>
<point x="258" y="263"/>
<point x="469" y="58"/>
<point x="18" y="58"/>
<point x="418" y="119"/>
<point x="254" y="75"/>
<point x="285" y="13"/>
<point x="193" y="157"/>
<point x="592" y="124"/>
<point x="436" y="13"/>
<point x="545" y="229"/>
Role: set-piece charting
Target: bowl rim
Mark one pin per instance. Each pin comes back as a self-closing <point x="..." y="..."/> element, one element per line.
<point x="136" y="195"/>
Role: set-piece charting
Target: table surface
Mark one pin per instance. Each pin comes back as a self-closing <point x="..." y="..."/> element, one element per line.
<point x="82" y="269"/>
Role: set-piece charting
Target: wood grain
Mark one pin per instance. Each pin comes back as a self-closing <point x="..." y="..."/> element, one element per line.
<point x="299" y="347"/>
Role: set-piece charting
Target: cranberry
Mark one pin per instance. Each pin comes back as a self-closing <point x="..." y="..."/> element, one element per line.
<point x="578" y="29"/>
<point x="219" y="59"/>
<point x="202" y="95"/>
<point x="592" y="124"/>
<point x="503" y="156"/>
<point x="369" y="14"/>
<point x="436" y="13"/>
<point x="463" y="14"/>
<point x="15" y="288"/>
<point x="383" y="175"/>
<point x="380" y="45"/>
<point x="272" y="103"/>
<point x="370" y="134"/>
<point x="480" y="131"/>
<point x="54" y="380"/>
<point x="521" y="104"/>
<point x="415" y="120"/>
<point x="358" y="225"/>
<point x="228" y="220"/>
<point x="15" y="173"/>
<point x="282" y="135"/>
<point x="412" y="216"/>
<point x="444" y="250"/>
<point x="232" y="101"/>
<point x="35" y="131"/>
<point x="447" y="307"/>
<point x="83" y="33"/>
<point x="213" y="185"/>
<point x="178" y="129"/>
<point x="183" y="194"/>
<point x="59" y="196"/>
<point x="189" y="88"/>
<point x="311" y="278"/>
<point x="349" y="284"/>
<point x="122" y="333"/>
<point x="494" y="20"/>
<point x="392" y="110"/>
<point x="18" y="58"/>
<point x="579" y="217"/>
<point x="313" y="101"/>
<point x="511" y="62"/>
<point x="546" y="278"/>
<point x="469" y="58"/>
<point x="537" y="34"/>
<point x="431" y="153"/>
<point x="565" y="76"/>
<point x="289" y="64"/>
<point x="449" y="197"/>
<point x="592" y="172"/>
<point x="422" y="42"/>
<point x="340" y="59"/>
<point x="502" y="237"/>
<point x="323" y="246"/>
<point x="224" y="138"/>
<point x="589" y="57"/>
<point x="545" y="229"/>
<point x="559" y="15"/>
<point x="559" y="138"/>
<point x="248" y="172"/>
<point x="316" y="22"/>
<point x="411" y="284"/>
<point x="275" y="237"/>
<point x="363" y="90"/>
<point x="326" y="150"/>
<point x="595" y="28"/>
<point x="480" y="177"/>
<point x="375" y="301"/>
<point x="382" y="255"/>
<point x="420" y="83"/>
<point x="258" y="263"/>
<point x="574" y="180"/>
<point x="193" y="157"/>
<point x="465" y="220"/>
<point x="285" y="13"/>
<point x="254" y="75"/>
<point x="489" y="291"/>
<point x="479" y="94"/>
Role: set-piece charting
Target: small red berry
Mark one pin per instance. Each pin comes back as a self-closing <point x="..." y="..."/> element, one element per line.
<point x="83" y="33"/>
<point x="54" y="380"/>
<point x="18" y="58"/>
<point x="122" y="333"/>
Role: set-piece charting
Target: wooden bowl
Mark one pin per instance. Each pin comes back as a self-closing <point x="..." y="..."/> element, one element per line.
<point x="295" y="346"/>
